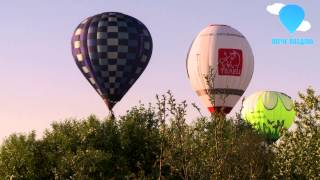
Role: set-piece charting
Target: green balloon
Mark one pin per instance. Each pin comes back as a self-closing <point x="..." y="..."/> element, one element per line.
<point x="268" y="112"/>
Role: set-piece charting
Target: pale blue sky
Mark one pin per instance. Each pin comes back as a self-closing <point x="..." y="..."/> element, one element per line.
<point x="40" y="82"/>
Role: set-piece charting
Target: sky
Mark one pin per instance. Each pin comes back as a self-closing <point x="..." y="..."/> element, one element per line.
<point x="40" y="82"/>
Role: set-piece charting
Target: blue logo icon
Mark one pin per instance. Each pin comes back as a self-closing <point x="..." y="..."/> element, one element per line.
<point x="291" y="16"/>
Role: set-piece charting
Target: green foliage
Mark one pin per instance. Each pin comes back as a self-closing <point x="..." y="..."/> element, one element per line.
<point x="158" y="143"/>
<point x="75" y="149"/>
<point x="19" y="157"/>
<point x="210" y="148"/>
<point x="140" y="141"/>
<point x="297" y="154"/>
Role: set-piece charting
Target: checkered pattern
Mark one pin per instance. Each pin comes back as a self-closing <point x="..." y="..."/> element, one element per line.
<point x="111" y="50"/>
<point x="80" y="54"/>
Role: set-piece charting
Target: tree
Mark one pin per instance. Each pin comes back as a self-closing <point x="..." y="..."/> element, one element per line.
<point x="158" y="143"/>
<point x="210" y="148"/>
<point x="82" y="149"/>
<point x="140" y="141"/>
<point x="19" y="157"/>
<point x="297" y="154"/>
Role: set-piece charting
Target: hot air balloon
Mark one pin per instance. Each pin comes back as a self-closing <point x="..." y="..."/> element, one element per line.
<point x="111" y="50"/>
<point x="268" y="112"/>
<point x="226" y="51"/>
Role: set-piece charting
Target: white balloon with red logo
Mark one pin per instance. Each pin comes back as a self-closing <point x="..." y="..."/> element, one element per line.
<point x="227" y="52"/>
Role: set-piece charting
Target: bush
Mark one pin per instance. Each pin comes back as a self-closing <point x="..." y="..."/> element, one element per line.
<point x="157" y="143"/>
<point x="297" y="154"/>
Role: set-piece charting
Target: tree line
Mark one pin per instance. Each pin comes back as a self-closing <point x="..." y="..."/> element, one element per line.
<point x="156" y="142"/>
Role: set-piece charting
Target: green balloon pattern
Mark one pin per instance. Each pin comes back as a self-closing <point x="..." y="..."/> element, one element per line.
<point x="268" y="112"/>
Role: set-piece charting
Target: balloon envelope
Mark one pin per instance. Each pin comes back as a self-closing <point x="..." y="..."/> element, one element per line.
<point x="268" y="112"/>
<point x="111" y="50"/>
<point x="226" y="51"/>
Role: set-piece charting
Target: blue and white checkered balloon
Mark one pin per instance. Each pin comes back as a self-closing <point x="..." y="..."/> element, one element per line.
<point x="112" y="50"/>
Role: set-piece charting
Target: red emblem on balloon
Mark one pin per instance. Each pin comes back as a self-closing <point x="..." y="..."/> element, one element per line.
<point x="230" y="62"/>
